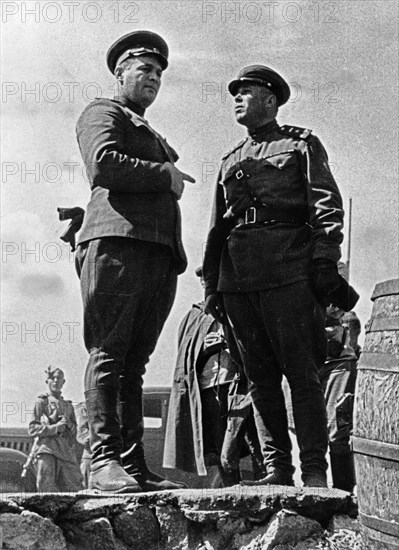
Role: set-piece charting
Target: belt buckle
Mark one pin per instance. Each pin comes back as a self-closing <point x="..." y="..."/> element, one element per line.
<point x="250" y="215"/>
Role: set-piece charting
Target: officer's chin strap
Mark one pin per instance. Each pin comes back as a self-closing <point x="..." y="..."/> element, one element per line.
<point x="76" y="215"/>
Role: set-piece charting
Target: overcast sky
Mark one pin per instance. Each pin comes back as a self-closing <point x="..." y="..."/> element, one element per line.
<point x="340" y="58"/>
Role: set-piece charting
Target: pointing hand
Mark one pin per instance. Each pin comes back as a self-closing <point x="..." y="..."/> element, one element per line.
<point x="178" y="178"/>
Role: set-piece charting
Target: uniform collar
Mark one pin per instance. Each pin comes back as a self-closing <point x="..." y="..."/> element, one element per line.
<point x="55" y="395"/>
<point x="131" y="105"/>
<point x="262" y="130"/>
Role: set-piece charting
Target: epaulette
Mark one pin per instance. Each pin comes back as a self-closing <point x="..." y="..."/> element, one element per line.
<point x="237" y="146"/>
<point x="43" y="396"/>
<point x="296" y="131"/>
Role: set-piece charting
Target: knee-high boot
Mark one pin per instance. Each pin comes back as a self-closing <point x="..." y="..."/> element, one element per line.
<point x="310" y="419"/>
<point x="106" y="471"/>
<point x="132" y="430"/>
<point x="272" y="427"/>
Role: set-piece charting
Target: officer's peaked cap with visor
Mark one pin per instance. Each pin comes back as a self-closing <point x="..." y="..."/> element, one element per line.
<point x="135" y="44"/>
<point x="263" y="76"/>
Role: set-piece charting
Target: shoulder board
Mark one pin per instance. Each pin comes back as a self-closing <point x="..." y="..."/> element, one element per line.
<point x="104" y="100"/>
<point x="43" y="396"/>
<point x="237" y="146"/>
<point x="296" y="131"/>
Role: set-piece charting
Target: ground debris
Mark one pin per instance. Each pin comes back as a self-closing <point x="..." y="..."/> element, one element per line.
<point x="343" y="539"/>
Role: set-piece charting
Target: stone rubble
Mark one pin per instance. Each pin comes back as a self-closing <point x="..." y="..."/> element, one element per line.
<point x="238" y="518"/>
<point x="29" y="531"/>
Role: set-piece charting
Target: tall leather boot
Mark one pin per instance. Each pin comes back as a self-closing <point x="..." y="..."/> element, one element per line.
<point x="343" y="471"/>
<point x="272" y="427"/>
<point x="132" y="430"/>
<point x="106" y="471"/>
<point x="310" y="419"/>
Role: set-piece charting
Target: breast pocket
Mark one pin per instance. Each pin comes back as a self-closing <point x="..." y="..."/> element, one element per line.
<point x="277" y="176"/>
<point x="281" y="161"/>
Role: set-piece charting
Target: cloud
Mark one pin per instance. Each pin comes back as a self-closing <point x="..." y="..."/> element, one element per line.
<point x="41" y="284"/>
<point x="23" y="226"/>
<point x="31" y="263"/>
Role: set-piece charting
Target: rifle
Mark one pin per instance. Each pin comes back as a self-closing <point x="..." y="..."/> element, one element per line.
<point x="30" y="458"/>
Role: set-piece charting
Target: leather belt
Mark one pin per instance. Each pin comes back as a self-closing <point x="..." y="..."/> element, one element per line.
<point x="270" y="216"/>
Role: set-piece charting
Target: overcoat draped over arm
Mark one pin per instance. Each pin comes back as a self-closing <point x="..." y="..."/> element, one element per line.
<point x="183" y="437"/>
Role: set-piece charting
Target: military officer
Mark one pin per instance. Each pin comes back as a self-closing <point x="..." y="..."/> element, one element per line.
<point x="128" y="258"/>
<point x="53" y="423"/>
<point x="271" y="266"/>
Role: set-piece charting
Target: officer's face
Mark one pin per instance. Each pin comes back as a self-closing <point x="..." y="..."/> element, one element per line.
<point x="251" y="105"/>
<point x="141" y="80"/>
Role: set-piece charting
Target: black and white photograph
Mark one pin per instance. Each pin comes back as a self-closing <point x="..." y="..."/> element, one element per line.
<point x="199" y="275"/>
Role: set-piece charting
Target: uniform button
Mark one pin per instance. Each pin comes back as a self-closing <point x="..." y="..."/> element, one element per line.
<point x="254" y="143"/>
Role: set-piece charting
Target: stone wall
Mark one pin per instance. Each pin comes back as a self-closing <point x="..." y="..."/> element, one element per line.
<point x="237" y="518"/>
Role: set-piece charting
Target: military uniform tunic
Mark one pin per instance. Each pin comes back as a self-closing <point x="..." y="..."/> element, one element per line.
<point x="129" y="254"/>
<point x="277" y="208"/>
<point x="287" y="171"/>
<point x="130" y="185"/>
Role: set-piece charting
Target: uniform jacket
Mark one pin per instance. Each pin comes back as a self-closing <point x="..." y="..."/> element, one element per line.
<point x="184" y="448"/>
<point x="285" y="170"/>
<point x="130" y="185"/>
<point x="44" y="424"/>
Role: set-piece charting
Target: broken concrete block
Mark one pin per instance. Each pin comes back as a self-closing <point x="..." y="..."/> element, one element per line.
<point x="94" y="534"/>
<point x="285" y="528"/>
<point x="138" y="528"/>
<point x="173" y="527"/>
<point x="29" y="531"/>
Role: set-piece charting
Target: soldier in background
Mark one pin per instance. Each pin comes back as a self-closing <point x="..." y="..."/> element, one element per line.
<point x="53" y="422"/>
<point x="338" y="379"/>
<point x="352" y="324"/>
<point x="205" y="402"/>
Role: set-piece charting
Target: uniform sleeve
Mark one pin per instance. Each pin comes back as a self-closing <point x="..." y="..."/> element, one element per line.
<point x="324" y="202"/>
<point x="38" y="428"/>
<point x="71" y="421"/>
<point x="218" y="232"/>
<point x="100" y="133"/>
